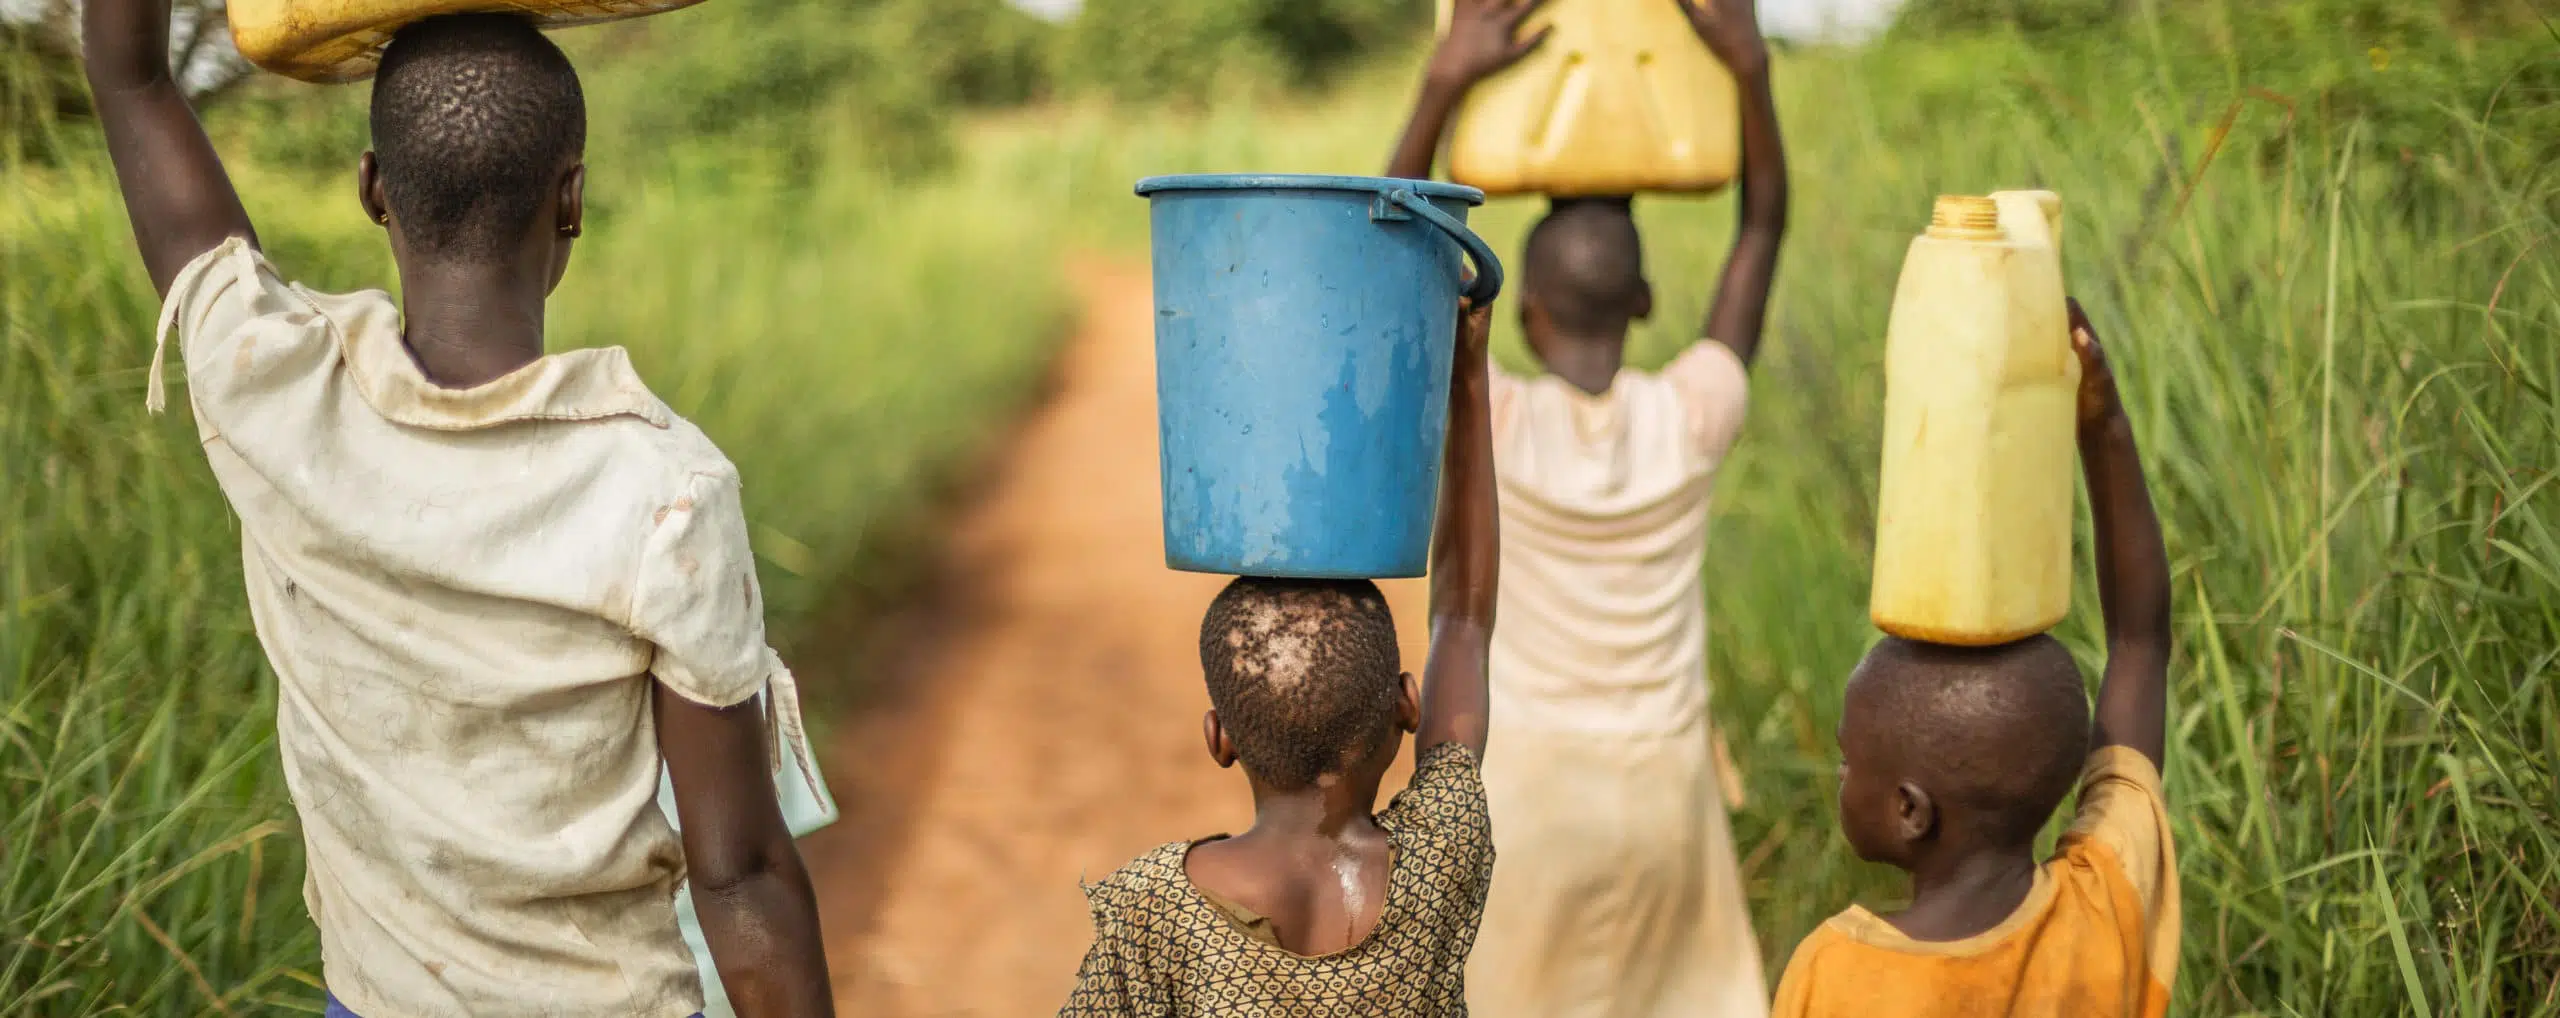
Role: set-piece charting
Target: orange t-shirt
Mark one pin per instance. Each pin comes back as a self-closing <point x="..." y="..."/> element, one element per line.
<point x="2097" y="937"/>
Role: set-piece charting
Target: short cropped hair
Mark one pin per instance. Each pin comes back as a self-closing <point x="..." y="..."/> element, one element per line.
<point x="474" y="118"/>
<point x="1585" y="263"/>
<point x="1303" y="674"/>
<point x="1999" y="732"/>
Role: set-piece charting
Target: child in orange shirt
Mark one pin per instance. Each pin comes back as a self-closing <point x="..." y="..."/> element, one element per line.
<point x="1952" y="759"/>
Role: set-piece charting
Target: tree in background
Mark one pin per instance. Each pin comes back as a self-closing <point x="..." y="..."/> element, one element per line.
<point x="1183" y="51"/>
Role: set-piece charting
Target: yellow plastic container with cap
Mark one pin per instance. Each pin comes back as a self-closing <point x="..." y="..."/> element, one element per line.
<point x="1974" y="515"/>
<point x="341" y="40"/>
<point x="1622" y="98"/>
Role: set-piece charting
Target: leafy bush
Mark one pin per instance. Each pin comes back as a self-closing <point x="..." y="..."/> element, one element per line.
<point x="969" y="52"/>
<point x="1935" y="17"/>
<point x="1185" y="51"/>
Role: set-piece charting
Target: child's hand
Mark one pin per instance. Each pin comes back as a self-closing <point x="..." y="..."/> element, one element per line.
<point x="2098" y="400"/>
<point x="2133" y="564"/>
<point x="1482" y="40"/>
<point x="1731" y="30"/>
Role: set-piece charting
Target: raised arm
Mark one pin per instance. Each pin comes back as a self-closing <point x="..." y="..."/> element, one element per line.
<point x="1731" y="30"/>
<point x="1465" y="553"/>
<point x="175" y="190"/>
<point x="758" y="912"/>
<point x="1482" y="38"/>
<point x="2133" y="565"/>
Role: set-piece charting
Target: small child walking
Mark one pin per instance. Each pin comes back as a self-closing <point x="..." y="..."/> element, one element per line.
<point x="1325" y="907"/>
<point x="498" y="588"/>
<point x="1951" y="761"/>
<point x="1621" y="895"/>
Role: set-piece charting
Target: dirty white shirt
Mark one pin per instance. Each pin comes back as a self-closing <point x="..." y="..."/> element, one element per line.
<point x="465" y="595"/>
<point x="1604" y="528"/>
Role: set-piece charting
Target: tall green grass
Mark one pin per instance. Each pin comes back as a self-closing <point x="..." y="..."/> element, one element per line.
<point x="844" y="341"/>
<point x="2335" y="351"/>
<point x="2342" y="378"/>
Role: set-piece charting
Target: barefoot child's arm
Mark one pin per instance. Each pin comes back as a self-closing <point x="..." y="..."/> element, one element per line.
<point x="1731" y="30"/>
<point x="1465" y="553"/>
<point x="1482" y="39"/>
<point x="175" y="191"/>
<point x="758" y="912"/>
<point x="2133" y="566"/>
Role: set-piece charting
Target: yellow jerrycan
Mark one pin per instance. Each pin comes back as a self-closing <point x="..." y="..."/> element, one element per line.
<point x="1622" y="98"/>
<point x="341" y="40"/>
<point x="1974" y="515"/>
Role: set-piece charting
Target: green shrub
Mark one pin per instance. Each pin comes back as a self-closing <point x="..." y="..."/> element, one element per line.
<point x="1187" y="52"/>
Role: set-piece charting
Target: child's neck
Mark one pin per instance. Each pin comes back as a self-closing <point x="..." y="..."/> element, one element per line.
<point x="1588" y="363"/>
<point x="1966" y="893"/>
<point x="1333" y="807"/>
<point x="468" y="325"/>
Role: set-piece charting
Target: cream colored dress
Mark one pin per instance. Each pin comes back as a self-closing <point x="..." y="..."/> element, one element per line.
<point x="1617" y="894"/>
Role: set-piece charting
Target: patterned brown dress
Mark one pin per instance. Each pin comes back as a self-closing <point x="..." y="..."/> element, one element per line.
<point x="1162" y="949"/>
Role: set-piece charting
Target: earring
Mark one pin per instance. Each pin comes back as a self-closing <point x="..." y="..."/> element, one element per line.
<point x="382" y="219"/>
<point x="571" y="231"/>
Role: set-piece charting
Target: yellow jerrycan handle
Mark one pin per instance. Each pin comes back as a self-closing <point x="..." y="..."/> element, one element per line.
<point x="2020" y="207"/>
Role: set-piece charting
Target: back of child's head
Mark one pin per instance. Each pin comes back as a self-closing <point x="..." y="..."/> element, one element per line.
<point x="1995" y="735"/>
<point x="475" y="118"/>
<point x="1584" y="265"/>
<point x="1303" y="673"/>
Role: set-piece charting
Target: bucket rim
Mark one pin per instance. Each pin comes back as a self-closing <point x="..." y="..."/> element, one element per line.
<point x="1305" y="182"/>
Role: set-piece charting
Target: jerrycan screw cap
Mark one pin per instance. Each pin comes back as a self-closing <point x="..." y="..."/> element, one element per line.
<point x="1965" y="217"/>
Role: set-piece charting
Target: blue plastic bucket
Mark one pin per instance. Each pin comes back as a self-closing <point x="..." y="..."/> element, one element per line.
<point x="1303" y="336"/>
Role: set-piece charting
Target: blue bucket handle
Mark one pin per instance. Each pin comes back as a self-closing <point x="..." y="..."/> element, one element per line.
<point x="1488" y="276"/>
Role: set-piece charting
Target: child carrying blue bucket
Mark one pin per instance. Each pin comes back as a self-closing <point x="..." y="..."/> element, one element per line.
<point x="1316" y="368"/>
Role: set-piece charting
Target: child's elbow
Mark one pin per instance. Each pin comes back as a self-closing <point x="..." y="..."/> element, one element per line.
<point x="740" y="869"/>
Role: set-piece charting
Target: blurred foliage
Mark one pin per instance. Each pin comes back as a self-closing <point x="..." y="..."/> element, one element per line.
<point x="781" y="79"/>
<point x="1932" y="17"/>
<point x="2387" y="70"/>
<point x="971" y="52"/>
<point x="40" y="80"/>
<point x="1935" y="17"/>
<point x="1185" y="52"/>
<point x="39" y="84"/>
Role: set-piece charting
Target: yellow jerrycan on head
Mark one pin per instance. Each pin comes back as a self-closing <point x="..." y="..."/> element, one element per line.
<point x="1974" y="515"/>
<point x="1622" y="98"/>
<point x="327" y="41"/>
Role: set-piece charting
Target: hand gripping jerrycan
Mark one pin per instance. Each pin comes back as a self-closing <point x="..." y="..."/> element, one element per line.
<point x="328" y="41"/>
<point x="1303" y="339"/>
<point x="1973" y="526"/>
<point x="1622" y="98"/>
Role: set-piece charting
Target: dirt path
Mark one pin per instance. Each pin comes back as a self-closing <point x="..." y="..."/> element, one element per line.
<point x="1043" y="724"/>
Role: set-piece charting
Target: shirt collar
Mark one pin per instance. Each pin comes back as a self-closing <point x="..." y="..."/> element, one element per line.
<point x="1865" y="927"/>
<point x="576" y="385"/>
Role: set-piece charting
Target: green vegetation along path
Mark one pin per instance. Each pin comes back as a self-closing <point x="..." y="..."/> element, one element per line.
<point x="1041" y="720"/>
